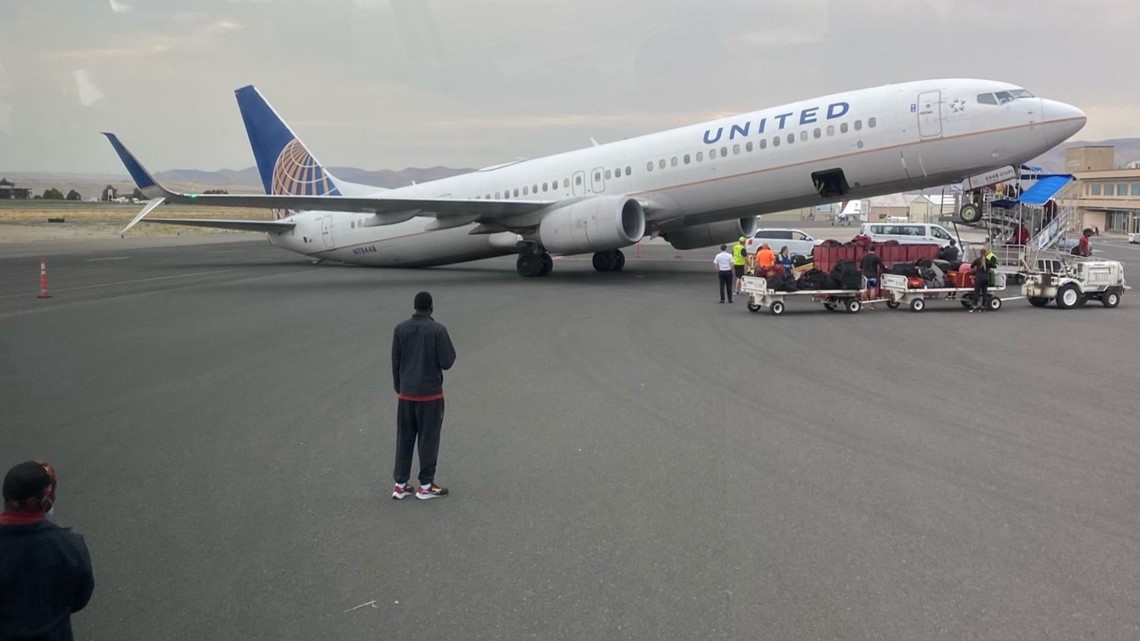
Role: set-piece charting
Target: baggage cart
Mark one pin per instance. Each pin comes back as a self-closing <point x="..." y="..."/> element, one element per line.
<point x="899" y="294"/>
<point x="760" y="296"/>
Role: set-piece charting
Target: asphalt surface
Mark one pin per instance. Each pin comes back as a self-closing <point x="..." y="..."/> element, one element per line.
<point x="628" y="459"/>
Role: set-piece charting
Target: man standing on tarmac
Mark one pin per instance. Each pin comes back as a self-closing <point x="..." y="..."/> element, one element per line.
<point x="738" y="261"/>
<point x="421" y="350"/>
<point x="985" y="276"/>
<point x="45" y="570"/>
<point x="723" y="264"/>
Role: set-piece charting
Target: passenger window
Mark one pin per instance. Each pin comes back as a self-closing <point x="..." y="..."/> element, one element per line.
<point x="858" y="125"/>
<point x="700" y="156"/>
<point x="775" y="141"/>
<point x="748" y="146"/>
<point x="817" y="133"/>
<point x="842" y="127"/>
<point x="578" y="179"/>
<point x="516" y="192"/>
<point x="673" y="161"/>
<point x="736" y="149"/>
<point x="791" y="138"/>
<point x="544" y="186"/>
<point x="804" y="135"/>
<point x="628" y="171"/>
<point x="525" y="191"/>
<point x="763" y="143"/>
<point x="534" y="189"/>
<point x="987" y="99"/>
<point x="661" y="163"/>
<point x="609" y="174"/>
<point x="871" y="122"/>
<point x="649" y="166"/>
<point x="566" y="183"/>
<point x="724" y="152"/>
<point x="498" y="196"/>
<point x="597" y="176"/>
<point x="687" y="159"/>
<point x="831" y="130"/>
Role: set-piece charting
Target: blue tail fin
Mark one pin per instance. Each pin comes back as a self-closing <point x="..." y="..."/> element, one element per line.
<point x="285" y="164"/>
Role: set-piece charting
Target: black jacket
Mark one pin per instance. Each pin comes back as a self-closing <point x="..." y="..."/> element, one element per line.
<point x="45" y="575"/>
<point x="421" y="350"/>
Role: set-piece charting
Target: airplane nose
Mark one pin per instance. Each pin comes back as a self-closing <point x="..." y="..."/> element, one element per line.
<point x="1064" y="115"/>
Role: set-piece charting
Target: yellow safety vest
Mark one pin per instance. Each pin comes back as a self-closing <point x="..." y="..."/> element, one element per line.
<point x="738" y="254"/>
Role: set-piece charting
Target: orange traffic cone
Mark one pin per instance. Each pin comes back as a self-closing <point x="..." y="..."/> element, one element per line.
<point x="43" y="280"/>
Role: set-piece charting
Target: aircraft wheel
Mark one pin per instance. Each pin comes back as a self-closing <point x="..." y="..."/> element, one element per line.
<point x="547" y="264"/>
<point x="970" y="214"/>
<point x="529" y="265"/>
<point x="777" y="308"/>
<point x="1068" y="296"/>
<point x="619" y="260"/>
<point x="917" y="305"/>
<point x="1038" y="301"/>
<point x="604" y="261"/>
<point x="1110" y="299"/>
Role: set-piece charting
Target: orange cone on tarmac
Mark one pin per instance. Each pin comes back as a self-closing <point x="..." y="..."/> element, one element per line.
<point x="43" y="280"/>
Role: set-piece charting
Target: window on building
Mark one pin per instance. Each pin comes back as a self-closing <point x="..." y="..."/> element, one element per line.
<point x="871" y="123"/>
<point x="1121" y="189"/>
<point x="1109" y="189"/>
<point x="842" y="127"/>
<point x="1094" y="189"/>
<point x="1136" y="189"/>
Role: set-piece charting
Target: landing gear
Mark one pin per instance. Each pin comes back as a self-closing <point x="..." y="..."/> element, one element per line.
<point x="534" y="262"/>
<point x="609" y="261"/>
<point x="970" y="214"/>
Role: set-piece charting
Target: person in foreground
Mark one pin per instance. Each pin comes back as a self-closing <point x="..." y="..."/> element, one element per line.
<point x="421" y="350"/>
<point x="45" y="570"/>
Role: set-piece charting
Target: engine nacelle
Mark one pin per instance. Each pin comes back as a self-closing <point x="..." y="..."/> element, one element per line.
<point x="594" y="225"/>
<point x="707" y="235"/>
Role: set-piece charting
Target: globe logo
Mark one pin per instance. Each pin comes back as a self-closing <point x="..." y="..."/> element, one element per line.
<point x="297" y="173"/>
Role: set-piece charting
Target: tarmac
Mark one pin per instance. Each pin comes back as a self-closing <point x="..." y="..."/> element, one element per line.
<point x="627" y="458"/>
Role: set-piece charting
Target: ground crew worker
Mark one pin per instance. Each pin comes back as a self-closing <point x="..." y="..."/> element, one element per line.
<point x="45" y="570"/>
<point x="421" y="350"/>
<point x="985" y="275"/>
<point x="871" y="266"/>
<point x="785" y="259"/>
<point x="723" y="265"/>
<point x="765" y="257"/>
<point x="1083" y="248"/>
<point x="738" y="262"/>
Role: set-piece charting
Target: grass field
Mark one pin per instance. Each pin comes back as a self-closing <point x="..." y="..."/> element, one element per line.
<point x="27" y="220"/>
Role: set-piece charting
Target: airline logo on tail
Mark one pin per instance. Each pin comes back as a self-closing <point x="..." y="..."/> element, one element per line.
<point x="297" y="173"/>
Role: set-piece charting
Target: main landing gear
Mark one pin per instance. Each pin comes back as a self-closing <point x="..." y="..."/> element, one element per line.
<point x="534" y="262"/>
<point x="609" y="261"/>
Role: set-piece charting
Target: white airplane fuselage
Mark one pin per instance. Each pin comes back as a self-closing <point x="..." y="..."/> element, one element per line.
<point x="884" y="140"/>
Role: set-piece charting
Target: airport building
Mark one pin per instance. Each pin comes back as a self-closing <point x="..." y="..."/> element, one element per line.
<point x="9" y="191"/>
<point x="1103" y="196"/>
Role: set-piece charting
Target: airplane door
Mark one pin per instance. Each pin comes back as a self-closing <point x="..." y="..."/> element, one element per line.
<point x="930" y="114"/>
<point x="326" y="232"/>
<point x="579" y="183"/>
<point x="598" y="180"/>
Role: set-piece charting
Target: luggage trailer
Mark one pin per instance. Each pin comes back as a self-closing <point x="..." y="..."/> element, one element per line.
<point x="899" y="294"/>
<point x="760" y="296"/>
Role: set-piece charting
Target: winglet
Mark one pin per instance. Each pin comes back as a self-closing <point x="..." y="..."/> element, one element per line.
<point x="146" y="210"/>
<point x="146" y="183"/>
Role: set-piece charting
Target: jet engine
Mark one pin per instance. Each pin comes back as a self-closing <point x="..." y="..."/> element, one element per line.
<point x="709" y="234"/>
<point x="594" y="225"/>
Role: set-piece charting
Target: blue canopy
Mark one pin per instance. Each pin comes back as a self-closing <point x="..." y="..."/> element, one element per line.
<point x="1045" y="188"/>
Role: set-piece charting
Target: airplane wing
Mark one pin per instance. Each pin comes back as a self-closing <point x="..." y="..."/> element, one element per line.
<point x="268" y="226"/>
<point x="447" y="211"/>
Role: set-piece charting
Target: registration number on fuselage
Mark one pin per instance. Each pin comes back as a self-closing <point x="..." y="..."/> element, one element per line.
<point x="359" y="251"/>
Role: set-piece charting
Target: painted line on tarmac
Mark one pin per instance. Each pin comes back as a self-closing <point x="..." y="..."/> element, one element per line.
<point x="126" y="282"/>
<point x="95" y="260"/>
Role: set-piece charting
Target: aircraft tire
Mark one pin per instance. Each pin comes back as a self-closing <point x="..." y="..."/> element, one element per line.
<point x="529" y="265"/>
<point x="619" y="260"/>
<point x="604" y="261"/>
<point x="547" y="264"/>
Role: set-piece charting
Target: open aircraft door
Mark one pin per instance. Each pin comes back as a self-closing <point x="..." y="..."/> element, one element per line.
<point x="930" y="114"/>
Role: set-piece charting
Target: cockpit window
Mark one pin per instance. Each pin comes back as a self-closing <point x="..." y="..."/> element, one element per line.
<point x="1002" y="97"/>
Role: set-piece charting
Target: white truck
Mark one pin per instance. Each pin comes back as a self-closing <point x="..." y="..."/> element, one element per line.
<point x="1072" y="283"/>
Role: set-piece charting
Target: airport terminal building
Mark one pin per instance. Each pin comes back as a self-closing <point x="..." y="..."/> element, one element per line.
<point x="1103" y="196"/>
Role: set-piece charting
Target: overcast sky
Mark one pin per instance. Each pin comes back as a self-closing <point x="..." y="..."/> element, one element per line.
<point x="396" y="83"/>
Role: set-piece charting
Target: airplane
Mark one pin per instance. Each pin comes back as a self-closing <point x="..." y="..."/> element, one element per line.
<point x="696" y="186"/>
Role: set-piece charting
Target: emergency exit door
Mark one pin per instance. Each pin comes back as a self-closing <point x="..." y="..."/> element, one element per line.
<point x="930" y="114"/>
